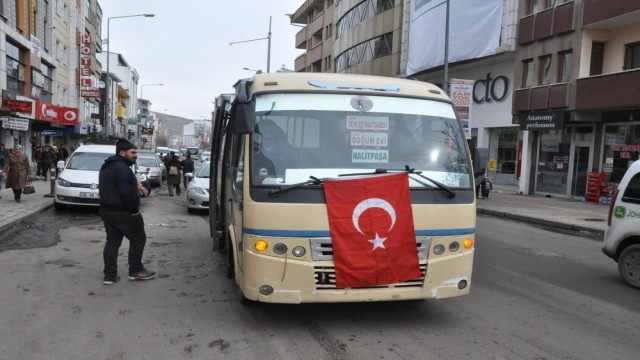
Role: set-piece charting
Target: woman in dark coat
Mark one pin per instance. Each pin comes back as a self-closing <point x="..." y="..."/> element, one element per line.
<point x="173" y="180"/>
<point x="17" y="171"/>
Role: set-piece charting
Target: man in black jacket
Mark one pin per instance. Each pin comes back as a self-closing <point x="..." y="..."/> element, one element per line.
<point x="119" y="201"/>
<point x="187" y="167"/>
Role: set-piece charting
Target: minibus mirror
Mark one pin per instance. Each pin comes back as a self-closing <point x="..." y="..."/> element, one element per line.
<point x="243" y="120"/>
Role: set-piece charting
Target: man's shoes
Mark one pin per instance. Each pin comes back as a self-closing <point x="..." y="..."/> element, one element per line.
<point x="143" y="274"/>
<point x="110" y="280"/>
<point x="17" y="200"/>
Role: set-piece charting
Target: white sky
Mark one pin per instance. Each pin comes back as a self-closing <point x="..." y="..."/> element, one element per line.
<point x="186" y="46"/>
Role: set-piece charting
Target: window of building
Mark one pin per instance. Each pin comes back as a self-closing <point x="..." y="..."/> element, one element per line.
<point x="364" y="52"/>
<point x="532" y="7"/>
<point x="328" y="31"/>
<point x="544" y="74"/>
<point x="362" y="12"/>
<point x="621" y="149"/>
<point x="527" y="73"/>
<point x="47" y="85"/>
<point x="15" y="69"/>
<point x="329" y="3"/>
<point x="632" y="56"/>
<point x="597" y="58"/>
<point x="564" y="65"/>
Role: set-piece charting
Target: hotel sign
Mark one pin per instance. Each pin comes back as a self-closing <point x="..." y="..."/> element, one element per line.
<point x="86" y="61"/>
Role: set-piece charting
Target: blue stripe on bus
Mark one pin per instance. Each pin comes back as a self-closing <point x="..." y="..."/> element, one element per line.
<point x="322" y="233"/>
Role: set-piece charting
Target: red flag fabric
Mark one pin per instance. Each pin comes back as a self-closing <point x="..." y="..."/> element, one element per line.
<point x="371" y="224"/>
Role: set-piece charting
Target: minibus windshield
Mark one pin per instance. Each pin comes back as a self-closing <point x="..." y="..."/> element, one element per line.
<point x="330" y="135"/>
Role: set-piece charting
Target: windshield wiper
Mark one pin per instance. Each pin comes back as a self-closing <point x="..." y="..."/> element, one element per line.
<point x="312" y="181"/>
<point x="440" y="185"/>
<point x="411" y="171"/>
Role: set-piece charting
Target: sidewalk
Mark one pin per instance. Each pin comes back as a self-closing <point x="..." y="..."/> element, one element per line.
<point x="502" y="202"/>
<point x="552" y="211"/>
<point x="12" y="212"/>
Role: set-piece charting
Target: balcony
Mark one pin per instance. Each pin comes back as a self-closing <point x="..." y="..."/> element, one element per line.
<point x="610" y="91"/>
<point x="601" y="13"/>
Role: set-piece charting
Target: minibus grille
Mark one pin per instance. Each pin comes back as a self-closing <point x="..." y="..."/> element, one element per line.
<point x="322" y="248"/>
<point x="325" y="277"/>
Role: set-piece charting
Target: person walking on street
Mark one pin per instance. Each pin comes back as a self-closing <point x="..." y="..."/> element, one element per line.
<point x="48" y="158"/>
<point x="187" y="167"/>
<point x="119" y="210"/>
<point x="173" y="166"/>
<point x="39" y="162"/>
<point x="17" y="171"/>
<point x="3" y="156"/>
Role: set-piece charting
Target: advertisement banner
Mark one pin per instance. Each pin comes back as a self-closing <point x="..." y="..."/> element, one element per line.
<point x="18" y="124"/>
<point x="462" y="97"/>
<point x="474" y="31"/>
<point x="56" y="114"/>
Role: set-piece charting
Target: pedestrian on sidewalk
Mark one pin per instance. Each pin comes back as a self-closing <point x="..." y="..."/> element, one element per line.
<point x="187" y="167"/>
<point x="173" y="166"/>
<point x="17" y="171"/>
<point x="39" y="162"/>
<point x="3" y="156"/>
<point x="119" y="210"/>
<point x="48" y="157"/>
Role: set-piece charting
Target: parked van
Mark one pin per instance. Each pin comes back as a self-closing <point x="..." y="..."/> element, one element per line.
<point x="622" y="236"/>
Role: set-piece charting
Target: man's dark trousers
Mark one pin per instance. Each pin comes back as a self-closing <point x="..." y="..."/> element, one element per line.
<point x="119" y="224"/>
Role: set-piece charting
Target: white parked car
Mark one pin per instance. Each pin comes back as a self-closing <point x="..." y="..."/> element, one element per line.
<point x="77" y="182"/>
<point x="78" y="179"/>
<point x="622" y="236"/>
<point x="198" y="189"/>
<point x="205" y="155"/>
<point x="153" y="167"/>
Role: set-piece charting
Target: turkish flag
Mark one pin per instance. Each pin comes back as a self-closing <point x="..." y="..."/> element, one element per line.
<point x="371" y="224"/>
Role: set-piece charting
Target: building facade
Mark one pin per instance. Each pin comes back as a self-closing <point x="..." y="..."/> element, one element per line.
<point x="576" y="96"/>
<point x="41" y="46"/>
<point x="316" y="36"/>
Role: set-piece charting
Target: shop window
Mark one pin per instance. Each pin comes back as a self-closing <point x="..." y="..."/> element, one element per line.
<point x="632" y="56"/>
<point x="621" y="149"/>
<point x="527" y="73"/>
<point x="544" y="74"/>
<point x="597" y="58"/>
<point x="564" y="65"/>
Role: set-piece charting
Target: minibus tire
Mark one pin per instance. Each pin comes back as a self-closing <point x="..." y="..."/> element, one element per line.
<point x="629" y="265"/>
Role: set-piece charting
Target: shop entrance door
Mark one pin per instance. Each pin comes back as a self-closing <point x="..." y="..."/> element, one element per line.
<point x="581" y="157"/>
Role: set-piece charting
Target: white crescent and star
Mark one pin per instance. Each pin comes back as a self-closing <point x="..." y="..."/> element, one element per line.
<point x="367" y="204"/>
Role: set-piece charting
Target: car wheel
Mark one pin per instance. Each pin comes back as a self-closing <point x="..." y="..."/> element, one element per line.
<point x="629" y="265"/>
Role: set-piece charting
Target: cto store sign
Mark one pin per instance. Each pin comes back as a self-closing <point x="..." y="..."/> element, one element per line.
<point x="491" y="89"/>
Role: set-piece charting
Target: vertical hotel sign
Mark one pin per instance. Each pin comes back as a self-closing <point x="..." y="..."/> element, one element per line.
<point x="462" y="97"/>
<point x="86" y="61"/>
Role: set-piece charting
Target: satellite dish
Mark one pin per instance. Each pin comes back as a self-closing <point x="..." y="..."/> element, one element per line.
<point x="101" y="84"/>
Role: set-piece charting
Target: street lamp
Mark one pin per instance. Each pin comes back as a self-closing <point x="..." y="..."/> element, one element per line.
<point x="107" y="105"/>
<point x="268" y="47"/>
<point x="143" y="85"/>
<point x="255" y="71"/>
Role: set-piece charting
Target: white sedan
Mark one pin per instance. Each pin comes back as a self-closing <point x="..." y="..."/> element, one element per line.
<point x="198" y="189"/>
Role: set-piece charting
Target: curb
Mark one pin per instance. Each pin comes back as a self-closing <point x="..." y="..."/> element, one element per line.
<point x="40" y="209"/>
<point x="551" y="223"/>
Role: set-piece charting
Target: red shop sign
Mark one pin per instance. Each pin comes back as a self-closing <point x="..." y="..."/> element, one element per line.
<point x="17" y="105"/>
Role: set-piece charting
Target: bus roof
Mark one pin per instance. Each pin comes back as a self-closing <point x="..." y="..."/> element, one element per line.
<point x="331" y="82"/>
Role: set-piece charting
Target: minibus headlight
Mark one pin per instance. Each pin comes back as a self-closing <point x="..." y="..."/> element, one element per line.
<point x="438" y="249"/>
<point x="468" y="243"/>
<point x="280" y="248"/>
<point x="299" y="251"/>
<point x="261" y="245"/>
<point x="454" y="246"/>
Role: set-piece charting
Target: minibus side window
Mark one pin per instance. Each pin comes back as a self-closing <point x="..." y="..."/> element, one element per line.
<point x="632" y="192"/>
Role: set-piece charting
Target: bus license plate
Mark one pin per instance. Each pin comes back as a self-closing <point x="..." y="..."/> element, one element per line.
<point x="89" y="195"/>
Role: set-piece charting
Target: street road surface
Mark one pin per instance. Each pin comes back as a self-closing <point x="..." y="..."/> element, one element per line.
<point x="536" y="294"/>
